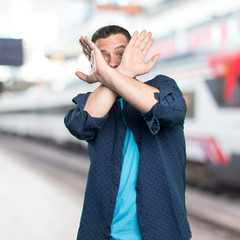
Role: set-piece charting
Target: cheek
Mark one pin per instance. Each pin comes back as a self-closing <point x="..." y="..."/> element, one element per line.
<point x="120" y="59"/>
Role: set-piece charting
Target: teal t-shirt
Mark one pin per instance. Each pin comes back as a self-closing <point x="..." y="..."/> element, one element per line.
<point x="125" y="223"/>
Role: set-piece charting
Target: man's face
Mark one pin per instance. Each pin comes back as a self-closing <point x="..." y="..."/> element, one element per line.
<point x="112" y="48"/>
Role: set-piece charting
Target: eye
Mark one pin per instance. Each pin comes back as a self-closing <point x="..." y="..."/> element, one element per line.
<point x="106" y="58"/>
<point x="120" y="54"/>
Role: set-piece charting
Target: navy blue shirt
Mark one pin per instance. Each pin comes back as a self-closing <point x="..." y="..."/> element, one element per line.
<point x="161" y="175"/>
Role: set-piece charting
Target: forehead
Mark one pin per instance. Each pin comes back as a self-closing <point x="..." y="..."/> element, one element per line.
<point x="111" y="42"/>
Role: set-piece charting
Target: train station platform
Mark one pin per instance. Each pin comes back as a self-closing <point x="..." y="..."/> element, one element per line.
<point x="34" y="206"/>
<point x="41" y="196"/>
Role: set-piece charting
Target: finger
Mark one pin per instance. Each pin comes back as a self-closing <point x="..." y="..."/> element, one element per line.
<point x="85" y="49"/>
<point x="81" y="41"/>
<point x="81" y="75"/>
<point x="87" y="54"/>
<point x="133" y="38"/>
<point x="95" y="52"/>
<point x="84" y="44"/>
<point x="140" y="38"/>
<point x="152" y="62"/>
<point x="148" y="46"/>
<point x="90" y="44"/>
<point x="146" y="41"/>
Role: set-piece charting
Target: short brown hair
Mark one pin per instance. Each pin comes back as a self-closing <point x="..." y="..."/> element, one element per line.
<point x="106" y="31"/>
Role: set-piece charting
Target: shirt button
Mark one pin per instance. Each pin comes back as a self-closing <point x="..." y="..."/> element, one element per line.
<point x="140" y="211"/>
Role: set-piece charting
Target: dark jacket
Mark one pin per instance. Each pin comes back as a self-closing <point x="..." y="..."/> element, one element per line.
<point x="161" y="175"/>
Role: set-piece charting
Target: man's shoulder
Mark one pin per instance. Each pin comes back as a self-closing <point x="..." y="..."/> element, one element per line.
<point x="160" y="79"/>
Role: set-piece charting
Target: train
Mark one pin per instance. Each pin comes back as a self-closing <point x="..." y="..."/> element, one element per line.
<point x="210" y="86"/>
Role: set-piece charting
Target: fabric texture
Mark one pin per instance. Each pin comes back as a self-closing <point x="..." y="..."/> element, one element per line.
<point x="161" y="174"/>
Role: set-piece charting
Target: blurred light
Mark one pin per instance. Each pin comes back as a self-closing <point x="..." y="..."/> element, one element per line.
<point x="57" y="57"/>
<point x="106" y="7"/>
<point x="42" y="29"/>
<point x="216" y="36"/>
<point x="130" y="9"/>
<point x="4" y="73"/>
<point x="123" y="2"/>
<point x="84" y="64"/>
<point x="101" y="2"/>
<point x="37" y="28"/>
<point x="38" y="68"/>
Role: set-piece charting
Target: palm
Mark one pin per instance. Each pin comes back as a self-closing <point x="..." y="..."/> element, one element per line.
<point x="98" y="64"/>
<point x="134" y="60"/>
<point x="135" y="53"/>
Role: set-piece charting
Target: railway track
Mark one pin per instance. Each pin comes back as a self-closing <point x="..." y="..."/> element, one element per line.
<point x="203" y="230"/>
<point x="218" y="212"/>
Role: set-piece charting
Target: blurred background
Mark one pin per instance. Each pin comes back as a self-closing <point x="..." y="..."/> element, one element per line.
<point x="43" y="169"/>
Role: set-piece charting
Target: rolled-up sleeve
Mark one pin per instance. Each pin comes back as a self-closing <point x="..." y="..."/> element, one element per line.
<point x="80" y="123"/>
<point x="170" y="108"/>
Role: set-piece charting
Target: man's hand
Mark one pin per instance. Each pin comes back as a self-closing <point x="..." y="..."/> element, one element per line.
<point x="86" y="49"/>
<point x="98" y="64"/>
<point x="121" y="83"/>
<point x="132" y="63"/>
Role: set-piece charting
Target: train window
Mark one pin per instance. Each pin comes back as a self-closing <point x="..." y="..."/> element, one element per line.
<point x="190" y="98"/>
<point x="216" y="87"/>
<point x="236" y="95"/>
<point x="222" y="95"/>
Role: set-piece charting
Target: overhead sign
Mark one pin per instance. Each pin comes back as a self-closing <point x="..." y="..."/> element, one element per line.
<point x="11" y="52"/>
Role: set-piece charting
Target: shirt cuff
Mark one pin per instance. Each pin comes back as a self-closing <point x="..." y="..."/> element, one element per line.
<point x="91" y="122"/>
<point x="94" y="122"/>
<point x="149" y="117"/>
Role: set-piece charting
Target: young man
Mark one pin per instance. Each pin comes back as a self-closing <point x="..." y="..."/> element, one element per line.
<point x="136" y="182"/>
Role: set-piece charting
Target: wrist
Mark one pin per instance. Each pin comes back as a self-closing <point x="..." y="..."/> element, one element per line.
<point x="104" y="75"/>
<point x="125" y="72"/>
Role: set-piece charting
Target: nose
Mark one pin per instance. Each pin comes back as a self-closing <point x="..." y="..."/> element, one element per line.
<point x="114" y="61"/>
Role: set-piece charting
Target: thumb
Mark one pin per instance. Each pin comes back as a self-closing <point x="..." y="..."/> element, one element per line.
<point x="153" y="61"/>
<point x="81" y="75"/>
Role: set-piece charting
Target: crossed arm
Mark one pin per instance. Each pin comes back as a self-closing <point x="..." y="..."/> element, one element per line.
<point x="120" y="81"/>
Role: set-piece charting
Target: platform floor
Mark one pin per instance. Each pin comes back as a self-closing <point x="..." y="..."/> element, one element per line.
<point x="41" y="196"/>
<point x="35" y="206"/>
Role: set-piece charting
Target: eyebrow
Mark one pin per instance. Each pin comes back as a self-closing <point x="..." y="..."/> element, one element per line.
<point x="121" y="46"/>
